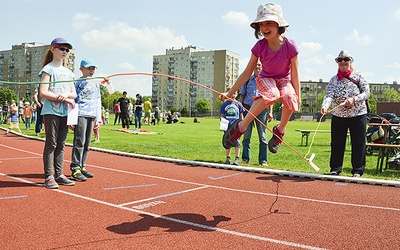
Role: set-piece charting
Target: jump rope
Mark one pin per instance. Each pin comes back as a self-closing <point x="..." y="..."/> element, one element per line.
<point x="105" y="79"/>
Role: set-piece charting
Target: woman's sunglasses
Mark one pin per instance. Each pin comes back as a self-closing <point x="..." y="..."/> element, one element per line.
<point x="346" y="59"/>
<point x="63" y="49"/>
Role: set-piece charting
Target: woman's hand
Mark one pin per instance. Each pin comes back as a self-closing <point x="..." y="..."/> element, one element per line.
<point x="324" y="111"/>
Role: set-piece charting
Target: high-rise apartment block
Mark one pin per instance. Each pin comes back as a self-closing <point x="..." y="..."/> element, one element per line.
<point x="22" y="64"/>
<point x="215" y="69"/>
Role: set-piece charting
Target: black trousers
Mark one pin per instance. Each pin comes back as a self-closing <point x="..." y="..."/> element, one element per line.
<point x="124" y="118"/>
<point x="357" y="127"/>
<point x="39" y="119"/>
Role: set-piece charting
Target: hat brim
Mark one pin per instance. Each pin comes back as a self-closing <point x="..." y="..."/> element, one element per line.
<point x="89" y="65"/>
<point x="280" y="21"/>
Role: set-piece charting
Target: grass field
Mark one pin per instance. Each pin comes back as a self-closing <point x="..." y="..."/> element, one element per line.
<point x="202" y="142"/>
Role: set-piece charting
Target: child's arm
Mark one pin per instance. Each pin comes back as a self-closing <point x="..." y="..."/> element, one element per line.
<point x="294" y="74"/>
<point x="243" y="78"/>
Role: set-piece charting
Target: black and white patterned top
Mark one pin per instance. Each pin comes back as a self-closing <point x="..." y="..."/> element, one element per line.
<point x="338" y="91"/>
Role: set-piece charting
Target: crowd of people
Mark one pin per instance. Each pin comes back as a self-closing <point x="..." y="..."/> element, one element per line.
<point x="270" y="75"/>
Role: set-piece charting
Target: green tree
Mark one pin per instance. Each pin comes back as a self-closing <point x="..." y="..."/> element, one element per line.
<point x="390" y="95"/>
<point x="185" y="111"/>
<point x="7" y="94"/>
<point x="108" y="100"/>
<point x="203" y="106"/>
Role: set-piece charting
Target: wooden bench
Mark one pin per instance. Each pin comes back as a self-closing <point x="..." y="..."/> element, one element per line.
<point x="306" y="134"/>
<point x="382" y="154"/>
<point x="307" y="118"/>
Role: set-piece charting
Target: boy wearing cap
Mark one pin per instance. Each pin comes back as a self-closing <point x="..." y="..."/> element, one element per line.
<point x="89" y="116"/>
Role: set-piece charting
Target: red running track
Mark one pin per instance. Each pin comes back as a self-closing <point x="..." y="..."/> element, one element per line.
<point x="135" y="203"/>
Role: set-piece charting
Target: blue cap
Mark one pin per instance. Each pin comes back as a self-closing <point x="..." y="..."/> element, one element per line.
<point x="87" y="62"/>
<point x="60" y="40"/>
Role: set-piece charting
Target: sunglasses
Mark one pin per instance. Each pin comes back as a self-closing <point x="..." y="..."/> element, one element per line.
<point x="346" y="59"/>
<point x="63" y="49"/>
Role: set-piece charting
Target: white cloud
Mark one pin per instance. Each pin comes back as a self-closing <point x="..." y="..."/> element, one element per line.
<point x="144" y="42"/>
<point x="126" y="66"/>
<point x="397" y="15"/>
<point x="236" y="18"/>
<point x="357" y="38"/>
<point x="82" y="21"/>
<point x="310" y="48"/>
<point x="393" y="66"/>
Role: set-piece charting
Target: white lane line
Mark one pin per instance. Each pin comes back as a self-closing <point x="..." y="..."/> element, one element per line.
<point x="230" y="189"/>
<point x="225" y="231"/>
<point x="20" y="158"/>
<point x="252" y="192"/>
<point x="13" y="197"/>
<point x="128" y="187"/>
<point x="222" y="177"/>
<point x="162" y="196"/>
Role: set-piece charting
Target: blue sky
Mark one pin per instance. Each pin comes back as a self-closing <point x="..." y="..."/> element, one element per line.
<point x="122" y="36"/>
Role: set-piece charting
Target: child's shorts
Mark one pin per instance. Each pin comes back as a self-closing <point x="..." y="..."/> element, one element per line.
<point x="272" y="90"/>
<point x="14" y="125"/>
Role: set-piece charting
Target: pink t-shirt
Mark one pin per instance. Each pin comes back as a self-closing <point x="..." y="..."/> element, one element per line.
<point x="275" y="64"/>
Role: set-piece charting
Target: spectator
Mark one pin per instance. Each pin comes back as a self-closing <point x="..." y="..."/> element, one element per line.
<point x="21" y="109"/>
<point x="5" y="110"/>
<point x="232" y="111"/>
<point x="57" y="95"/>
<point x="247" y="92"/>
<point x="123" y="105"/>
<point x="138" y="111"/>
<point x="106" y="116"/>
<point x="14" y="118"/>
<point x="117" y="114"/>
<point x="147" y="111"/>
<point x="347" y="92"/>
<point x="89" y="118"/>
<point x="157" y="115"/>
<point x="39" y="106"/>
<point x="27" y="115"/>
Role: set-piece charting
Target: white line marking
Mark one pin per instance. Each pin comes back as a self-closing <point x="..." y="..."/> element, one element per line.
<point x="230" y="189"/>
<point x="127" y="187"/>
<point x="162" y="196"/>
<point x="239" y="234"/>
<point x="13" y="197"/>
<point x="251" y="192"/>
<point x="222" y="177"/>
<point x="20" y="158"/>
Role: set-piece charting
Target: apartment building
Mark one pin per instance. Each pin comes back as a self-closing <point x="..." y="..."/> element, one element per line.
<point x="215" y="69"/>
<point x="22" y="64"/>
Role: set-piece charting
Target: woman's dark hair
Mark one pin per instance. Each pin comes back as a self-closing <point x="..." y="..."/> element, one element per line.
<point x="258" y="34"/>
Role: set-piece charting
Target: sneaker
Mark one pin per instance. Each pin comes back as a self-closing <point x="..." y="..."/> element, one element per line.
<point x="356" y="175"/>
<point x="77" y="175"/>
<point x="274" y="143"/>
<point x="228" y="161"/>
<point x="231" y="135"/>
<point x="50" y="183"/>
<point x="334" y="173"/>
<point x="86" y="173"/>
<point x="245" y="161"/>
<point x="264" y="164"/>
<point x="62" y="180"/>
<point x="236" y="162"/>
